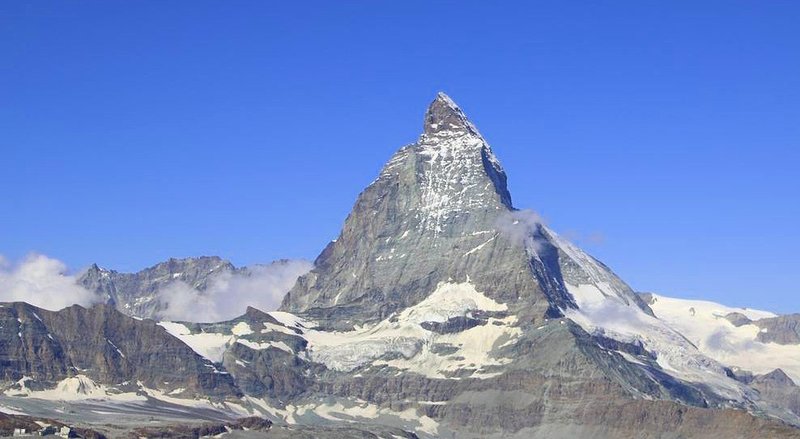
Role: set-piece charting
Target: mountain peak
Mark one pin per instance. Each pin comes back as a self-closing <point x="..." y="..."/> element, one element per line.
<point x="777" y="376"/>
<point x="444" y="116"/>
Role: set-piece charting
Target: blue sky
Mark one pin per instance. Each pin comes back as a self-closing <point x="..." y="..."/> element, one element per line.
<point x="662" y="136"/>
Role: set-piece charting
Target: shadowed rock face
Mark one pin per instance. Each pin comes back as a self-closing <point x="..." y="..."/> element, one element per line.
<point x="738" y="319"/>
<point x="103" y="344"/>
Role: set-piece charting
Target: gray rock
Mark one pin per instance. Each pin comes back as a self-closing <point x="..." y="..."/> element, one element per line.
<point x="778" y="388"/>
<point x="738" y="319"/>
<point x="439" y="211"/>
<point x="136" y="294"/>
<point x="782" y="329"/>
<point x="105" y="345"/>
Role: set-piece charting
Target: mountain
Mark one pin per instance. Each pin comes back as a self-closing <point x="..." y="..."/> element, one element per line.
<point x="440" y="212"/>
<point x="137" y="294"/>
<point x="83" y="349"/>
<point x="441" y="310"/>
<point x="742" y="338"/>
<point x="156" y="292"/>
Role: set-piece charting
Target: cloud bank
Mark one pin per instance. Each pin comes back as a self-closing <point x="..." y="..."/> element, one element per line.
<point x="43" y="282"/>
<point x="227" y="296"/>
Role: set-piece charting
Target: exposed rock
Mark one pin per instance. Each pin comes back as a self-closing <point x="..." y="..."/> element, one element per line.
<point x="778" y="388"/>
<point x="179" y="431"/>
<point x="440" y="210"/>
<point x="440" y="308"/>
<point x="453" y="324"/>
<point x="103" y="344"/>
<point x="782" y="329"/>
<point x="738" y="319"/>
<point x="136" y="294"/>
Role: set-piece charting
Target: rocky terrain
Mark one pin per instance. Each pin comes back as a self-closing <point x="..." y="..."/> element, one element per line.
<point x="441" y="310"/>
<point x="79" y="347"/>
<point x="147" y="294"/>
<point x="136" y="294"/>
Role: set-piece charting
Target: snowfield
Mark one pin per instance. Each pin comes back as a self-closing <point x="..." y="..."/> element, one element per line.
<point x="404" y="334"/>
<point x="704" y="324"/>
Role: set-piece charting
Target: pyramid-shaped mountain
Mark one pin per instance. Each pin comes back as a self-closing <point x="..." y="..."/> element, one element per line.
<point x="440" y="211"/>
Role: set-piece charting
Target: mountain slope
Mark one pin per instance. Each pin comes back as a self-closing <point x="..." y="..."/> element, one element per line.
<point x="206" y="287"/>
<point x="444" y="310"/>
<point x="437" y="278"/>
<point x="79" y="348"/>
<point x="753" y="340"/>
<point x="137" y="294"/>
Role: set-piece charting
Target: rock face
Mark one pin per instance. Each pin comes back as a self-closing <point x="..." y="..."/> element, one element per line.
<point x="147" y="294"/>
<point x="439" y="211"/>
<point x="136" y="294"/>
<point x="778" y="388"/>
<point x="782" y="329"/>
<point x="42" y="348"/>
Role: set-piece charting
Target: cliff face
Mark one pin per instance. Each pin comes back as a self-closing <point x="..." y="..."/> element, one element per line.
<point x="42" y="348"/>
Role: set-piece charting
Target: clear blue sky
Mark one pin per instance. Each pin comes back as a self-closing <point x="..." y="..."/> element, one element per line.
<point x="663" y="136"/>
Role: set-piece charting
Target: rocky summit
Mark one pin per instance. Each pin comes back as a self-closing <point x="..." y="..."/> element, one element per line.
<point x="440" y="310"/>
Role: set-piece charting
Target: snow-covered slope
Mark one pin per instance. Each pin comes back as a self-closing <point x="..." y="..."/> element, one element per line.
<point x="608" y="307"/>
<point x="711" y="327"/>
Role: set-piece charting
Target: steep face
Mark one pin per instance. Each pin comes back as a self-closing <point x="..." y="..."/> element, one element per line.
<point x="431" y="216"/>
<point x="440" y="211"/>
<point x="42" y="348"/>
<point x="136" y="294"/>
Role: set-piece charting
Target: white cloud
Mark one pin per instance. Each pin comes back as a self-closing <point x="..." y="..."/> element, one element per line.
<point x="43" y="282"/>
<point x="229" y="294"/>
<point x="521" y="227"/>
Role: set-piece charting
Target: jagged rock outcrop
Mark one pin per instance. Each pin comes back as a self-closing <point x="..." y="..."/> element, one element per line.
<point x="148" y="294"/>
<point x="40" y="348"/>
<point x="778" y="388"/>
<point x="782" y="329"/>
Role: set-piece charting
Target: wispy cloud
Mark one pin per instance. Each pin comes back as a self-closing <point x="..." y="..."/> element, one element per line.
<point x="520" y="227"/>
<point x="592" y="238"/>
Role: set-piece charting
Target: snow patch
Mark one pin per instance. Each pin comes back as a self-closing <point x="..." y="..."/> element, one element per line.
<point x="241" y="328"/>
<point x="270" y="344"/>
<point x="403" y="336"/>
<point x="209" y="345"/>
